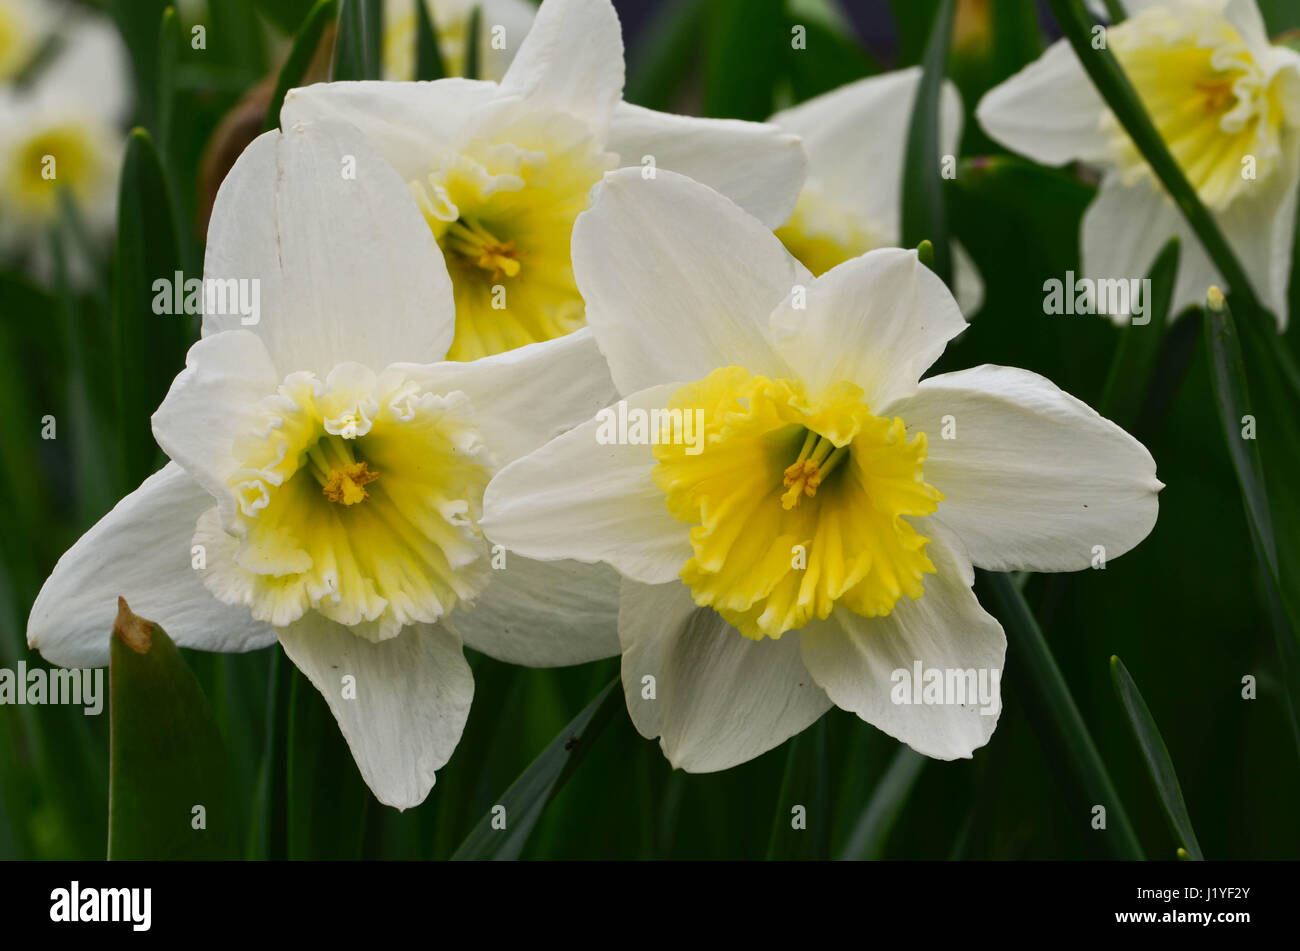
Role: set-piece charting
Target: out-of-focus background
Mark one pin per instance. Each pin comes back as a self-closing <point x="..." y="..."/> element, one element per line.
<point x="1184" y="610"/>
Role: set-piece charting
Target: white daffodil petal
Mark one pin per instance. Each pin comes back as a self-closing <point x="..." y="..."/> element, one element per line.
<point x="713" y="697"/>
<point x="678" y="280"/>
<point x="581" y="498"/>
<point x="346" y="265"/>
<point x="409" y="122"/>
<point x="831" y="128"/>
<point x="543" y="613"/>
<point x="1033" y="479"/>
<point x="756" y="165"/>
<point x="400" y="703"/>
<point x="1049" y="111"/>
<point x="526" y="396"/>
<point x="1260" y="227"/>
<point x="140" y="551"/>
<point x="210" y="402"/>
<point x="1123" y="230"/>
<point x="854" y="659"/>
<point x="572" y="61"/>
<point x="878" y="320"/>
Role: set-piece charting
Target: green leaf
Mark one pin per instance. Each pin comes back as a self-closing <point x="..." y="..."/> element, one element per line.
<point x="830" y="56"/>
<point x="1129" y="379"/>
<point x="663" y="55"/>
<point x="169" y="768"/>
<point x="1156" y="756"/>
<point x="472" y="30"/>
<point x="287" y="15"/>
<point x="529" y="794"/>
<point x="1109" y="78"/>
<point x="871" y="832"/>
<point x="744" y="38"/>
<point x="268" y="834"/>
<point x="804" y="786"/>
<point x="428" y="58"/>
<point x="1279" y="566"/>
<point x="321" y="826"/>
<point x="148" y="348"/>
<point x="924" y="215"/>
<point x="305" y="45"/>
<point x="357" y="43"/>
<point x="169" y="45"/>
<point x="1053" y="711"/>
<point x="139" y="22"/>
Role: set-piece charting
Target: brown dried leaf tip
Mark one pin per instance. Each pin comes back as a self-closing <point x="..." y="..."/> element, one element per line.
<point x="134" y="631"/>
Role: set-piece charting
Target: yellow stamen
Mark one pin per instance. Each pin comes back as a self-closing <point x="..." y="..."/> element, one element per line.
<point x="471" y="240"/>
<point x="346" y="485"/>
<point x="818" y="457"/>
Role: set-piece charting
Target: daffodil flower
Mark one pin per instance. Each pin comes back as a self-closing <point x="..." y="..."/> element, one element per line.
<point x="1227" y="104"/>
<point x="60" y="131"/>
<point x="503" y="25"/>
<point x="820" y="536"/>
<point x="500" y="171"/>
<point x="327" y="471"/>
<point x="851" y="201"/>
<point x="25" y="26"/>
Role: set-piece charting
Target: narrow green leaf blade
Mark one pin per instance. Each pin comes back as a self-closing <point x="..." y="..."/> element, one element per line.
<point x="305" y="46"/>
<point x="1156" y="756"/>
<point x="1054" y="712"/>
<point x="472" y="32"/>
<point x="924" y="214"/>
<point x="867" y="841"/>
<point x="287" y="15"/>
<point x="139" y="22"/>
<point x="528" y="795"/>
<point x="805" y="787"/>
<point x="169" y="772"/>
<point x="148" y="348"/>
<point x="356" y="45"/>
<point x="428" y="58"/>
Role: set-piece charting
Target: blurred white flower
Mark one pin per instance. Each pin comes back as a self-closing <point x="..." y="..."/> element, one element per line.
<point x="1227" y="104"/>
<point x="60" y="129"/>
<point x="821" y="534"/>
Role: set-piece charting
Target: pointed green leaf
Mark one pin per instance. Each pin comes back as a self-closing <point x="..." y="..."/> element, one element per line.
<point x="148" y="348"/>
<point x="1156" y="756"/>
<point x="521" y="805"/>
<point x="357" y="44"/>
<point x="305" y="45"/>
<point x="1053" y="711"/>
<point x="139" y="22"/>
<point x="169" y="792"/>
<point x="169" y="46"/>
<point x="428" y="58"/>
<point x="924" y="214"/>
<point x="472" y="42"/>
